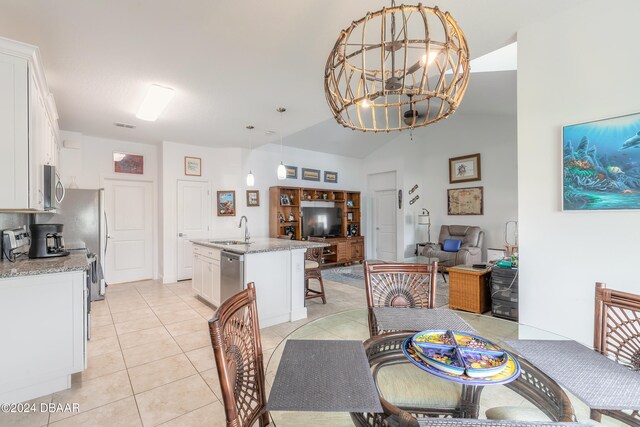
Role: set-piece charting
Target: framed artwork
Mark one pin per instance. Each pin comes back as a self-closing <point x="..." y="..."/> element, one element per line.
<point x="464" y="168"/>
<point x="226" y="203"/>
<point x="128" y="163"/>
<point x="292" y="172"/>
<point x="193" y="166"/>
<point x="349" y="216"/>
<point x="253" y="198"/>
<point x="311" y="174"/>
<point x="331" y="177"/>
<point x="465" y="201"/>
<point x="600" y="164"/>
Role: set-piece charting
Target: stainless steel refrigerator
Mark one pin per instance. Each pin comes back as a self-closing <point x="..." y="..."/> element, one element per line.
<point x="85" y="224"/>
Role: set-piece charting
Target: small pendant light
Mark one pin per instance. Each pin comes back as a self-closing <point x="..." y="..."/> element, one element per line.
<point x="282" y="171"/>
<point x="251" y="180"/>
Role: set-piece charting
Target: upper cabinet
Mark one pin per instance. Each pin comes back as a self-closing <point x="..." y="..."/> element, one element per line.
<point x="28" y="127"/>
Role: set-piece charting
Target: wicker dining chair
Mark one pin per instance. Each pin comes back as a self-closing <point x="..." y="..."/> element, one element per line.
<point x="617" y="335"/>
<point x="235" y="336"/>
<point x="403" y="285"/>
<point x="399" y="285"/>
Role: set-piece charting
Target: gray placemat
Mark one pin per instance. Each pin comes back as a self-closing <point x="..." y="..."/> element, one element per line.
<point x="324" y="376"/>
<point x="468" y="422"/>
<point x="419" y="319"/>
<point x="598" y="381"/>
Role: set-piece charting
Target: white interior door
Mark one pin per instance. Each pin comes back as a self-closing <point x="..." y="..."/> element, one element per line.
<point x="129" y="214"/>
<point x="193" y="222"/>
<point x="385" y="225"/>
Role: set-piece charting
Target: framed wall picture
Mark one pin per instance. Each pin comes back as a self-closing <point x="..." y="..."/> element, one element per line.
<point x="193" y="166"/>
<point x="331" y="177"/>
<point x="253" y="198"/>
<point x="464" y="169"/>
<point x="465" y="201"/>
<point x="292" y="172"/>
<point x="311" y="174"/>
<point x="128" y="163"/>
<point x="226" y="203"/>
<point x="600" y="164"/>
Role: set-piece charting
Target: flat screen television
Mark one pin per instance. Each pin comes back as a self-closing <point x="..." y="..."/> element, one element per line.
<point x="321" y="222"/>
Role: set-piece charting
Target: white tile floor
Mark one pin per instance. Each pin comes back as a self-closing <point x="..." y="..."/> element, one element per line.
<point x="151" y="361"/>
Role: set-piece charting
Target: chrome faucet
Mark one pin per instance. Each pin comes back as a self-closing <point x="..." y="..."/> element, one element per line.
<point x="247" y="236"/>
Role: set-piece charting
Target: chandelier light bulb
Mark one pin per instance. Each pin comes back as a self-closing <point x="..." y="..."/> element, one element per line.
<point x="365" y="103"/>
<point x="432" y="57"/>
<point x="282" y="171"/>
<point x="251" y="180"/>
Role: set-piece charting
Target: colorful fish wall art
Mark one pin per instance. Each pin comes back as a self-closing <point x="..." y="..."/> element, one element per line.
<point x="601" y="164"/>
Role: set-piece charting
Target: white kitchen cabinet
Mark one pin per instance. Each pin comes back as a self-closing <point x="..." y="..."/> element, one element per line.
<point x="198" y="270"/>
<point x="28" y="127"/>
<point x="206" y="273"/>
<point x="14" y="132"/>
<point x="43" y="324"/>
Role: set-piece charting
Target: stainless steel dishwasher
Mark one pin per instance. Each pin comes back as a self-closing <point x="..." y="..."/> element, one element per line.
<point x="231" y="274"/>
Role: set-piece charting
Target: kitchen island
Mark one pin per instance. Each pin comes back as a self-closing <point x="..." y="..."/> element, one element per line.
<point x="276" y="266"/>
<point x="43" y="323"/>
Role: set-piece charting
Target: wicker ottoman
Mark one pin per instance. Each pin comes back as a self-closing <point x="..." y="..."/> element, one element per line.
<point x="469" y="289"/>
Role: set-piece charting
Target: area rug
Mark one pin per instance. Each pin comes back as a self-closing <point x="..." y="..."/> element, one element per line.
<point x="353" y="275"/>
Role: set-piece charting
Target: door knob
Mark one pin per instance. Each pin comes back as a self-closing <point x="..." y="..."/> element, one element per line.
<point x="182" y="235"/>
<point x="377" y="228"/>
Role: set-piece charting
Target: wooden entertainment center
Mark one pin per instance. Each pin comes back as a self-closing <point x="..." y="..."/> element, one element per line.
<point x="285" y="218"/>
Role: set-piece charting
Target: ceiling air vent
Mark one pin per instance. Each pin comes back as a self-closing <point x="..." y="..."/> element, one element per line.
<point x="124" y="125"/>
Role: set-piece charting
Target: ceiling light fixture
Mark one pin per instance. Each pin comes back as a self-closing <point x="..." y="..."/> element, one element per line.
<point x="154" y="102"/>
<point x="251" y="180"/>
<point x="281" y="171"/>
<point x="417" y="64"/>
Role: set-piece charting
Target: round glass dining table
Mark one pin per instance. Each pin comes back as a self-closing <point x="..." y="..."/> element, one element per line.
<point x="353" y="325"/>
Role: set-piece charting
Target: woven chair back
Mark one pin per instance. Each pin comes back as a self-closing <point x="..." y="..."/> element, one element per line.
<point x="235" y="335"/>
<point x="617" y="325"/>
<point x="400" y="285"/>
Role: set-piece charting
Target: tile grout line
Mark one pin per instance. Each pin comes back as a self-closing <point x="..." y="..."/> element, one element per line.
<point x="192" y="364"/>
<point x="135" y="400"/>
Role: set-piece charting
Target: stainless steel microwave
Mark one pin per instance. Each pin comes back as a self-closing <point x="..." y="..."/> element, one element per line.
<point x="53" y="188"/>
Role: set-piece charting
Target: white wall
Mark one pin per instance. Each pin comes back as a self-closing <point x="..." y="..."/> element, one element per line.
<point x="425" y="161"/>
<point x="93" y="163"/>
<point x="226" y="169"/>
<point x="574" y="67"/>
<point x="94" y="160"/>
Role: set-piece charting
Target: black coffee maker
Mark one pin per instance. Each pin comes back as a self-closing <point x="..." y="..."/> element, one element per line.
<point x="46" y="241"/>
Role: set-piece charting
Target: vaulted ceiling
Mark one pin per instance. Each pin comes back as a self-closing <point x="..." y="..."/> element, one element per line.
<point x="231" y="64"/>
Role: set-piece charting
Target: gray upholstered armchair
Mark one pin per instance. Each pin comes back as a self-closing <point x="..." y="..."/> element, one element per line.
<point x="470" y="248"/>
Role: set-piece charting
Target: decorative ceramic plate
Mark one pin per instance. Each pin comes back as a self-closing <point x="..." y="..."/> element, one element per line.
<point x="471" y="360"/>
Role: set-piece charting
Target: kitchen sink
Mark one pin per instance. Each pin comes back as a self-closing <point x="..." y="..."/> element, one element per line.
<point x="229" y="242"/>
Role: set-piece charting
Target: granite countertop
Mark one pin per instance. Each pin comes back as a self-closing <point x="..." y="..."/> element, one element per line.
<point x="261" y="244"/>
<point x="30" y="267"/>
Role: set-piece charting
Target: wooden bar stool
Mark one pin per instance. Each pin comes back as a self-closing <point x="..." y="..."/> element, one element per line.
<point x="312" y="270"/>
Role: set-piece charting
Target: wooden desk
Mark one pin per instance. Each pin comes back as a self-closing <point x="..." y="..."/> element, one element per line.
<point x="469" y="289"/>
